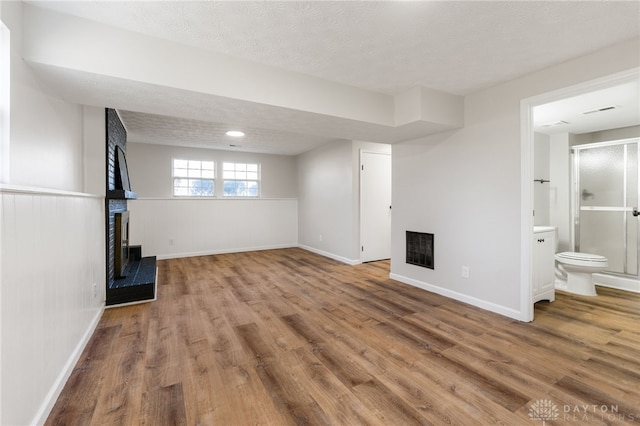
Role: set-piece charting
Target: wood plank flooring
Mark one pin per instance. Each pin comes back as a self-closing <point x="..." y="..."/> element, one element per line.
<point x="285" y="337"/>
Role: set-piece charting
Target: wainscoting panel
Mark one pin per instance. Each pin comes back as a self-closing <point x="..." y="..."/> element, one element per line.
<point x="53" y="285"/>
<point x="169" y="228"/>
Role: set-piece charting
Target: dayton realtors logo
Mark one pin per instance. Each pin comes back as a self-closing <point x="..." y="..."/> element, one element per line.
<point x="546" y="410"/>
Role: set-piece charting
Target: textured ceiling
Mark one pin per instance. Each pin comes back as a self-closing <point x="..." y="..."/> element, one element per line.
<point x="387" y="47"/>
<point x="165" y="130"/>
<point x="382" y="46"/>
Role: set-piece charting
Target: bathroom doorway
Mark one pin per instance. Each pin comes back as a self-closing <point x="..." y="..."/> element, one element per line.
<point x="561" y="139"/>
<point x="605" y="202"/>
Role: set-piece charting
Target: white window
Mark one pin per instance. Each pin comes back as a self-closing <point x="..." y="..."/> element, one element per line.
<point x="193" y="178"/>
<point x="241" y="179"/>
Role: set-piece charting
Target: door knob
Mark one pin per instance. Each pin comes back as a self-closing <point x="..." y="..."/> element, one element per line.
<point x="635" y="211"/>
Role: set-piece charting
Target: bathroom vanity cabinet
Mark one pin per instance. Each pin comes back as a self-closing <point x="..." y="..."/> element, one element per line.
<point x="544" y="265"/>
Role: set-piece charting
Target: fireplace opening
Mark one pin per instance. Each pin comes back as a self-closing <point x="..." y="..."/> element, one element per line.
<point x="419" y="249"/>
<point x="121" y="249"/>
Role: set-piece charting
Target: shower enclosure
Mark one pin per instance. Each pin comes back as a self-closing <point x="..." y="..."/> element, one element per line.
<point x="605" y="203"/>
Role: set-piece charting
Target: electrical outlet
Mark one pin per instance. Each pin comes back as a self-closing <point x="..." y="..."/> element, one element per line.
<point x="465" y="272"/>
<point x="171" y="241"/>
<point x="95" y="290"/>
<point x="320" y="237"/>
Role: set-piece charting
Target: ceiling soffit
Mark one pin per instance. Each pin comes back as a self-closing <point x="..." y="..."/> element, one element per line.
<point x="57" y="44"/>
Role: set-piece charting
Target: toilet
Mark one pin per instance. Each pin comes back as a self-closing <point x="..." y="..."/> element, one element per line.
<point x="574" y="272"/>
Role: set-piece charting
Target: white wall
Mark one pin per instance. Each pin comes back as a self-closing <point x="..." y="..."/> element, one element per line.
<point x="607" y="135"/>
<point x="541" y="191"/>
<point x="53" y="289"/>
<point x="94" y="133"/>
<point x="169" y="227"/>
<point x="464" y="186"/>
<point x="5" y="99"/>
<point x="329" y="198"/>
<point x="51" y="244"/>
<point x="46" y="132"/>
<point x="560" y="189"/>
<point x="325" y="201"/>
<point x="150" y="169"/>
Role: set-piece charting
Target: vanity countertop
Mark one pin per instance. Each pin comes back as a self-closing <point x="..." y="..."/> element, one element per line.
<point x="538" y="229"/>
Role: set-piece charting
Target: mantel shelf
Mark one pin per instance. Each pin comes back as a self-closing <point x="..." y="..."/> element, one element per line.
<point x="121" y="194"/>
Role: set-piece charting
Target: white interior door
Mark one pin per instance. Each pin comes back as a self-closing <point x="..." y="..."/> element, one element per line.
<point x="375" y="206"/>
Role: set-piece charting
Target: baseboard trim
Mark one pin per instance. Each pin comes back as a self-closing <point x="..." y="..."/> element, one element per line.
<point x="331" y="255"/>
<point x="483" y="304"/>
<point x="223" y="251"/>
<point x="56" y="389"/>
<point x="271" y="247"/>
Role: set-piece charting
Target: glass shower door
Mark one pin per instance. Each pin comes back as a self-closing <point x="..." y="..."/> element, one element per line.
<point x="606" y="202"/>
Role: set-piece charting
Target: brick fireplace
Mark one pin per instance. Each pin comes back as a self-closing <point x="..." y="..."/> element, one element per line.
<point x="130" y="277"/>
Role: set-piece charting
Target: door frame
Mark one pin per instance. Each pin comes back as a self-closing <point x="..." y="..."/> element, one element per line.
<point x="369" y="151"/>
<point x="526" y="171"/>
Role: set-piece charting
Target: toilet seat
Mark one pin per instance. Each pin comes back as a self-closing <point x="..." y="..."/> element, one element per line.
<point x="581" y="259"/>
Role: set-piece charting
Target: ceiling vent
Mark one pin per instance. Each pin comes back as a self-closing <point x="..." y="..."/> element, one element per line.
<point x="606" y="108"/>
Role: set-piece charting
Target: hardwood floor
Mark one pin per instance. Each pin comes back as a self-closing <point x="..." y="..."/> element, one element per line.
<point x="287" y="337"/>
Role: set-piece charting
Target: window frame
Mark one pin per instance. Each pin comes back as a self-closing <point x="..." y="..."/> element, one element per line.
<point x="257" y="179"/>
<point x="188" y="169"/>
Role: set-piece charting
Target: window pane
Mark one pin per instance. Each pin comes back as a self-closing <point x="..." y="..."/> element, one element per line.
<point x="241" y="179"/>
<point x="181" y="164"/>
<point x="241" y="188"/>
<point x="183" y="183"/>
<point x="200" y="187"/>
<point x="230" y="187"/>
<point x="180" y="187"/>
<point x="193" y="178"/>
<point x="252" y="190"/>
<point x="180" y="172"/>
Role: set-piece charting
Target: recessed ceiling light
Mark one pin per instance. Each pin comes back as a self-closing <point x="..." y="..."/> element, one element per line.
<point x="235" y="133"/>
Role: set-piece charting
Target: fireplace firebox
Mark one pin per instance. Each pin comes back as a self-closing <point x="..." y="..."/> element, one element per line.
<point x="121" y="249"/>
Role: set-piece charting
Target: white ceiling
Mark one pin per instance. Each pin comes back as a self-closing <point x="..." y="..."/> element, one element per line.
<point x="386" y="47"/>
<point x="591" y="112"/>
